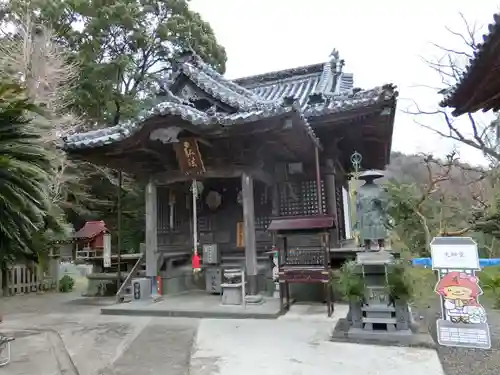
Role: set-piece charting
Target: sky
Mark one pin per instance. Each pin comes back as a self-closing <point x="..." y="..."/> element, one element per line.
<point x="384" y="41"/>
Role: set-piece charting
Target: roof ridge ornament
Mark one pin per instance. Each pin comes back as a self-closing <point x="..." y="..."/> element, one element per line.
<point x="332" y="70"/>
<point x="336" y="62"/>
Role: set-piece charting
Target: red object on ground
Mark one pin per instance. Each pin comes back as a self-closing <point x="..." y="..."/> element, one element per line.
<point x="195" y="261"/>
<point x="158" y="285"/>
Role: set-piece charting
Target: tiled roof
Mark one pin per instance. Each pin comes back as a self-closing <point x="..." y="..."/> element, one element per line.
<point x="482" y="55"/>
<point x="210" y="81"/>
<point x="91" y="229"/>
<point x="304" y="92"/>
<point x="352" y="100"/>
<point x="299" y="83"/>
<point x="105" y="136"/>
<point x="334" y="104"/>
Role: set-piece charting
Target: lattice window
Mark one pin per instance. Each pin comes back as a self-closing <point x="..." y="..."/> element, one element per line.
<point x="262" y="222"/>
<point x="263" y="206"/>
<point x="300" y="198"/>
<point x="169" y="213"/>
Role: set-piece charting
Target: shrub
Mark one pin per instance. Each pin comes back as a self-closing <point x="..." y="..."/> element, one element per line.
<point x="490" y="281"/>
<point x="399" y="282"/>
<point x="110" y="289"/>
<point x="66" y="284"/>
<point x="349" y="283"/>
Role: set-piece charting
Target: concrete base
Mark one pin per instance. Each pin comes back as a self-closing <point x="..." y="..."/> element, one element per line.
<point x="232" y="294"/>
<point x="255" y="299"/>
<point x="374" y="257"/>
<point x="344" y="332"/>
<point x="196" y="305"/>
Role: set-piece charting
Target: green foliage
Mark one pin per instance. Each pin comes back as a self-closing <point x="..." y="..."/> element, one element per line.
<point x="399" y="281"/>
<point x="490" y="222"/>
<point x="349" y="282"/>
<point x="404" y="201"/>
<point x="423" y="282"/>
<point x="490" y="281"/>
<point x="124" y="47"/>
<point x="25" y="172"/>
<point x="66" y="284"/>
<point x="110" y="289"/>
<point x="431" y="197"/>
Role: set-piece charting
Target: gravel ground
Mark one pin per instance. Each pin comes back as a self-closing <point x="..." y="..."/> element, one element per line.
<point x="461" y="361"/>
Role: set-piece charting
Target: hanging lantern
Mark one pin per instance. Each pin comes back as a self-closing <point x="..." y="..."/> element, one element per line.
<point x="213" y="200"/>
<point x="195" y="262"/>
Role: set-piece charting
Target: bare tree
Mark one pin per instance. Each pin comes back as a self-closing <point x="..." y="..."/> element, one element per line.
<point x="30" y="55"/>
<point x="449" y="203"/>
<point x="469" y="129"/>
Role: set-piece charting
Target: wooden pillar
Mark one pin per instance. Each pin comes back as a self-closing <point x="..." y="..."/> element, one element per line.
<point x="249" y="223"/>
<point x="330" y="195"/>
<point x="151" y="230"/>
<point x="318" y="181"/>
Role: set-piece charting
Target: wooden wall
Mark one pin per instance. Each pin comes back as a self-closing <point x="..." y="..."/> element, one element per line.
<point x="293" y="195"/>
<point x="214" y="226"/>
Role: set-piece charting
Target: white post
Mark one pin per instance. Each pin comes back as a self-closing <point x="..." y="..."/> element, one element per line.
<point x="151" y="231"/>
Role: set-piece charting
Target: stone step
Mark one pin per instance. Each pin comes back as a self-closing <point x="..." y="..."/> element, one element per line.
<point x="379" y="320"/>
<point x="378" y="308"/>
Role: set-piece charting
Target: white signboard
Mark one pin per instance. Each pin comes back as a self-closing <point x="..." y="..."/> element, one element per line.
<point x="463" y="320"/>
<point x="454" y="253"/>
<point x="346" y="201"/>
<point x="107" y="250"/>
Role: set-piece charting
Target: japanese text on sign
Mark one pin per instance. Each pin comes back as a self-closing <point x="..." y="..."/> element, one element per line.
<point x="240" y="235"/>
<point x="454" y="256"/>
<point x="189" y="157"/>
<point x="463" y="320"/>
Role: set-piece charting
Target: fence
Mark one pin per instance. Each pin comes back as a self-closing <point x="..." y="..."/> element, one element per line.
<point x="427" y="262"/>
<point x="23" y="279"/>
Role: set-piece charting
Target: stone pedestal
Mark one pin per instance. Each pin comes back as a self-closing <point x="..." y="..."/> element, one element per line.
<point x="232" y="288"/>
<point x="377" y="315"/>
<point x="231" y="294"/>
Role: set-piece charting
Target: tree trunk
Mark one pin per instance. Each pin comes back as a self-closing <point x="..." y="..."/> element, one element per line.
<point x="427" y="232"/>
<point x="4" y="272"/>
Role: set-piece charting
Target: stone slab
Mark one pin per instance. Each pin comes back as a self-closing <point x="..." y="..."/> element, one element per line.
<point x="196" y="305"/>
<point x="298" y="345"/>
<point x="374" y="258"/>
<point x="419" y="338"/>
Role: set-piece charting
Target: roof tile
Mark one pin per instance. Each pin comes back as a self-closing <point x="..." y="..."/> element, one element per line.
<point x="91" y="229"/>
<point x="264" y="96"/>
<point x="481" y="53"/>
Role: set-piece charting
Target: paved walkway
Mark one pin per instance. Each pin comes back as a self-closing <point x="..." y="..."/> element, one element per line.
<point x="298" y="343"/>
<point x="88" y="344"/>
<point x="75" y="340"/>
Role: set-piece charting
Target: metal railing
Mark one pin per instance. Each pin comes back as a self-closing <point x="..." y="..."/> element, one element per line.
<point x="128" y="279"/>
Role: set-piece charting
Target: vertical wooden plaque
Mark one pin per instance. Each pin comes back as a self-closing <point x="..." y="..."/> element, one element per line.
<point x="240" y="234"/>
<point x="189" y="157"/>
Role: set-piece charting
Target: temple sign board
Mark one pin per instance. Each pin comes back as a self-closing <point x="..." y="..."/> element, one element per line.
<point x="463" y="320"/>
<point x="240" y="234"/>
<point x="454" y="252"/>
<point x="106" y="254"/>
<point x="189" y="157"/>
